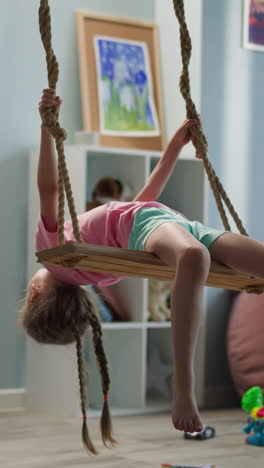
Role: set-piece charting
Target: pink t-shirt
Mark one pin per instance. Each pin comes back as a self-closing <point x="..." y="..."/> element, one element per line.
<point x="108" y="225"/>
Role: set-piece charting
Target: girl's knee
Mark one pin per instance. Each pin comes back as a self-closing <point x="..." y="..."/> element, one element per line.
<point x="196" y="258"/>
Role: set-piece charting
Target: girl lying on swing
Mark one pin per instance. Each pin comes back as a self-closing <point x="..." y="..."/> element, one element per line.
<point x="58" y="310"/>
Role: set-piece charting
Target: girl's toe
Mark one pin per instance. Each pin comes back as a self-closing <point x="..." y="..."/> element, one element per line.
<point x="186" y="426"/>
<point x="191" y="427"/>
<point x="180" y="425"/>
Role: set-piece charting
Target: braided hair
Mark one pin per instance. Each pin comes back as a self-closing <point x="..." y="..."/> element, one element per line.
<point x="62" y="316"/>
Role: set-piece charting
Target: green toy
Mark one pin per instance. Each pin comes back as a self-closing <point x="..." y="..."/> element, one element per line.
<point x="252" y="402"/>
<point x="253" y="398"/>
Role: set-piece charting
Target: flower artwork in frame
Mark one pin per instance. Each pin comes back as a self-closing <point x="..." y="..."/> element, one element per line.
<point x="120" y="81"/>
<point x="125" y="90"/>
<point x="253" y="25"/>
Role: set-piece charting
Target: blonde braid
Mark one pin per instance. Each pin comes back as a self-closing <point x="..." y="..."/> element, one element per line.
<point x="106" y="421"/>
<point x="85" y="432"/>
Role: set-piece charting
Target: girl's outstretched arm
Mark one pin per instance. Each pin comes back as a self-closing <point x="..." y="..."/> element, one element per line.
<point x="160" y="175"/>
<point x="47" y="167"/>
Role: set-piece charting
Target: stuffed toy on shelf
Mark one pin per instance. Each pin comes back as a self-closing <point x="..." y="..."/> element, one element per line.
<point x="109" y="189"/>
<point x="159" y="300"/>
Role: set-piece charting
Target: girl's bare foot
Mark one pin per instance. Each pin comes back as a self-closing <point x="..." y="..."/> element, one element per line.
<point x="185" y="415"/>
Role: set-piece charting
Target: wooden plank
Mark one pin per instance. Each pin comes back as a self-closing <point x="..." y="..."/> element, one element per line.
<point x="124" y="262"/>
<point x="112" y="254"/>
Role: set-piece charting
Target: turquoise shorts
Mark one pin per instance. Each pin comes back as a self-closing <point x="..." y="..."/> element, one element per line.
<point x="148" y="219"/>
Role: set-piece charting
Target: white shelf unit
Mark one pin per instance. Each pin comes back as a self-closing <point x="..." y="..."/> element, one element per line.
<point x="52" y="383"/>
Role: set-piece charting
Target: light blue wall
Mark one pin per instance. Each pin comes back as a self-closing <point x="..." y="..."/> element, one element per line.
<point x="232" y="99"/>
<point x="23" y="75"/>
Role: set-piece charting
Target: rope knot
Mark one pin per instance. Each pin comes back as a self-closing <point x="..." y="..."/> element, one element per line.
<point x="254" y="289"/>
<point x="58" y="132"/>
<point x="50" y="121"/>
<point x="199" y="142"/>
<point x="49" y="117"/>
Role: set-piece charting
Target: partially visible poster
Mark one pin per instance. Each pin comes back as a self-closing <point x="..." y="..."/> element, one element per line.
<point x="125" y="89"/>
<point x="254" y="24"/>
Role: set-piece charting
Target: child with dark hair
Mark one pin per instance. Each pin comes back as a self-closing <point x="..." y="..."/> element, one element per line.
<point x="58" y="310"/>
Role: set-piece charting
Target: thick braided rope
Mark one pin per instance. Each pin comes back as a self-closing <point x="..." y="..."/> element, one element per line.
<point x="198" y="137"/>
<point x="50" y="121"/>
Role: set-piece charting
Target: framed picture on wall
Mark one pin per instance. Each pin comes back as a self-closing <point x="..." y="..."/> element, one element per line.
<point x="253" y="34"/>
<point x="120" y="81"/>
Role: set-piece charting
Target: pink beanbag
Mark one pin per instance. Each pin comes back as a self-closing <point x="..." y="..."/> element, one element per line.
<point x="245" y="342"/>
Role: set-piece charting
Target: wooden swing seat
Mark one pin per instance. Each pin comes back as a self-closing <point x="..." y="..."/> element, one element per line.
<point x="123" y="262"/>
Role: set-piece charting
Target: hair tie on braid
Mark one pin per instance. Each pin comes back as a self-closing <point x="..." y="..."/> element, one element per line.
<point x="106" y="398"/>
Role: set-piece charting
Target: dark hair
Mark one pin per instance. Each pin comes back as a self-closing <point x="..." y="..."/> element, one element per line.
<point x="107" y="187"/>
<point x="62" y="316"/>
